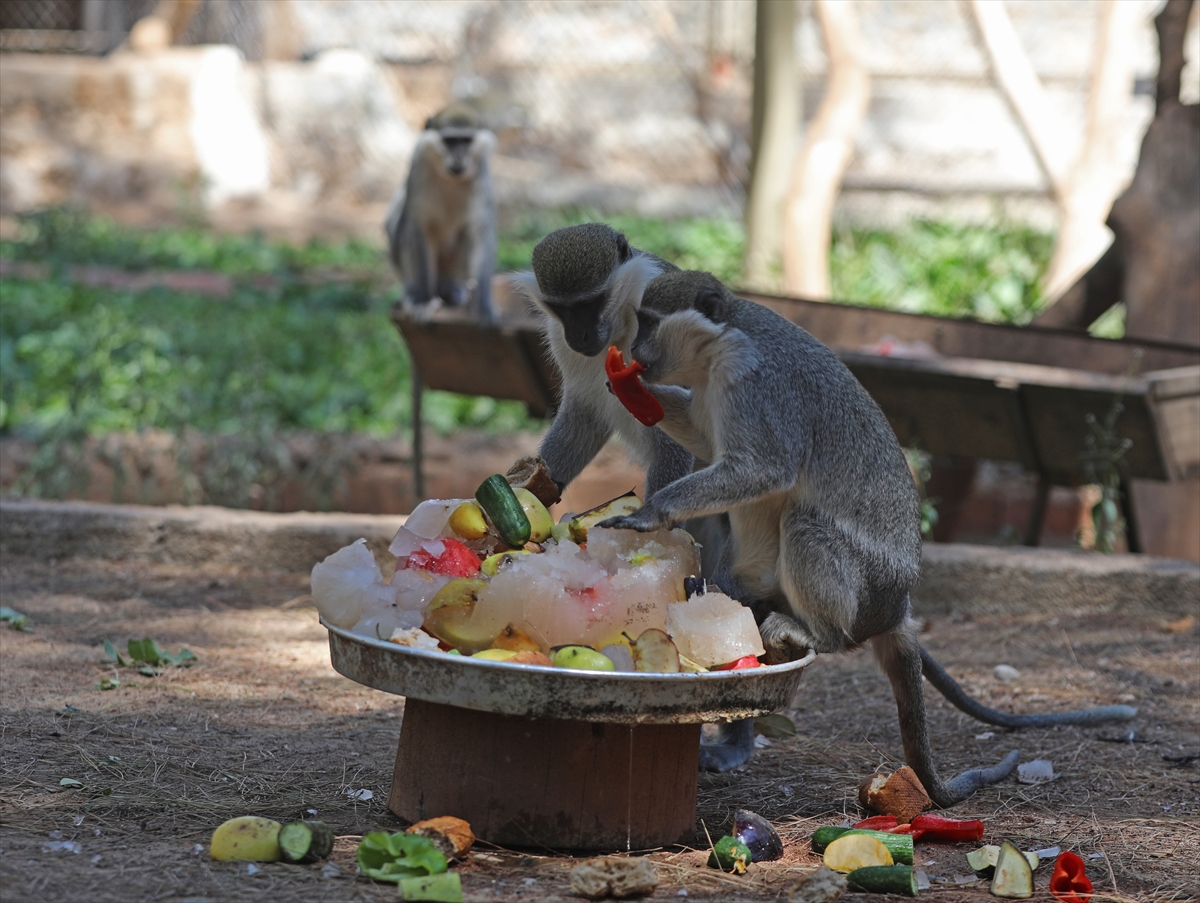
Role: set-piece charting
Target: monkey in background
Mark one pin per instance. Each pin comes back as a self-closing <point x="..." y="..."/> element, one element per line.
<point x="441" y="228"/>
<point x="825" y="538"/>
<point x="587" y="282"/>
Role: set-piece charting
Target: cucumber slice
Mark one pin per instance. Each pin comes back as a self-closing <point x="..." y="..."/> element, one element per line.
<point x="305" y="841"/>
<point x="899" y="845"/>
<point x="1014" y="877"/>
<point x="885" y="879"/>
<point x="500" y="503"/>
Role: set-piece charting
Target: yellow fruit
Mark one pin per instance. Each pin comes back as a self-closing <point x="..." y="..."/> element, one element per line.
<point x="541" y="524"/>
<point x="467" y="521"/>
<point x="515" y="639"/>
<point x="247" y="837"/>
<point x="625" y="504"/>
<point x="654" y="651"/>
<point x="493" y="563"/>
<point x="448" y="616"/>
<point x="582" y="657"/>
<point x="561" y="532"/>
<point x="855" y="851"/>
<point x="495" y="655"/>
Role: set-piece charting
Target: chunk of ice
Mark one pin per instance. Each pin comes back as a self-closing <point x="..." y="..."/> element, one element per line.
<point x="380" y="625"/>
<point x="348" y="585"/>
<point x="713" y="629"/>
<point x="415" y="587"/>
<point x="428" y="519"/>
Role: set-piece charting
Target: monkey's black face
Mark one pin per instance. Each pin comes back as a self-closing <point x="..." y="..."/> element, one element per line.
<point x="458" y="151"/>
<point x="583" y="328"/>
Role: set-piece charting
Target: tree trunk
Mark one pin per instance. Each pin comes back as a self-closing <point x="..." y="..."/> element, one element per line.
<point x="827" y="151"/>
<point x="1097" y="177"/>
<point x="775" y="120"/>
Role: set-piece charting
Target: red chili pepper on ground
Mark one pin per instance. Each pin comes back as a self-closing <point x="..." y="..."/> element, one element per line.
<point x="629" y="389"/>
<point x="908" y="829"/>
<point x="1069" y="881"/>
<point x="877" y="823"/>
<point x="951" y="830"/>
<point x="455" y="561"/>
<point x="746" y="661"/>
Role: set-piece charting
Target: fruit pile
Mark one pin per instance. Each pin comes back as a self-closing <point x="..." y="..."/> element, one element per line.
<point x="494" y="577"/>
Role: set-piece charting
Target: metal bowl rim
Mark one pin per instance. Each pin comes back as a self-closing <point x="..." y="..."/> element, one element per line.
<point x="570" y="673"/>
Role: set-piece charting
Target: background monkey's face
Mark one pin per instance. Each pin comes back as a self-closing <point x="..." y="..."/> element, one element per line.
<point x="460" y="151"/>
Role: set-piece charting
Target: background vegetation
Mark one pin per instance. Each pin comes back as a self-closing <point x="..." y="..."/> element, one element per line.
<point x="304" y="343"/>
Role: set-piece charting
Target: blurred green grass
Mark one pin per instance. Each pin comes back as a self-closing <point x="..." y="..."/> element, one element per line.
<point x="312" y="348"/>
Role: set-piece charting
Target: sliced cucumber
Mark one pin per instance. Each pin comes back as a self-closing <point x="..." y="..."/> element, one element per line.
<point x="305" y="841"/>
<point x="1014" y="877"/>
<point x="899" y="845"/>
<point x="500" y="503"/>
<point x="885" y="879"/>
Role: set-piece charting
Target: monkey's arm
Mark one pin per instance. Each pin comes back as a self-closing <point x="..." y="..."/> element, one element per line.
<point x="670" y="462"/>
<point x="732" y="481"/>
<point x="573" y="440"/>
<point x="677" y="420"/>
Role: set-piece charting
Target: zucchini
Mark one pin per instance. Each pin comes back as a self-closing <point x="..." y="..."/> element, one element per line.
<point x="305" y="841"/>
<point x="899" y="845"/>
<point x="885" y="879"/>
<point x="499" y="502"/>
<point x="1014" y="877"/>
<point x="443" y="888"/>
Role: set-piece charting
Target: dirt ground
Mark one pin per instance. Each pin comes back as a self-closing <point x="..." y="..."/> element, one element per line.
<point x="261" y="724"/>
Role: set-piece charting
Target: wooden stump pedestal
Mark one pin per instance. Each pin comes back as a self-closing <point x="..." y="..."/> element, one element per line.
<point x="548" y="782"/>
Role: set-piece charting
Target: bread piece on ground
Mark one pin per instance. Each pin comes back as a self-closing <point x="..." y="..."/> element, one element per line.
<point x="900" y="794"/>
<point x="451" y="835"/>
<point x="614" y="877"/>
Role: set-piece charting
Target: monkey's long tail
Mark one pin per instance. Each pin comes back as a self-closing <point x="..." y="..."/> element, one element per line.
<point x="949" y="688"/>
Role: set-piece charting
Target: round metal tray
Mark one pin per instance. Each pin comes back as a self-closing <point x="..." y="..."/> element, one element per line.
<point x="539" y="692"/>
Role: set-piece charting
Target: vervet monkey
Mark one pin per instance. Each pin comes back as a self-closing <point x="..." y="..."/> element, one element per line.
<point x="587" y="282"/>
<point x="825" y="537"/>
<point x="441" y="228"/>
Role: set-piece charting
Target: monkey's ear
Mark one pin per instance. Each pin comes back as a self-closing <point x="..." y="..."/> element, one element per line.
<point x="711" y="303"/>
<point x="624" y="253"/>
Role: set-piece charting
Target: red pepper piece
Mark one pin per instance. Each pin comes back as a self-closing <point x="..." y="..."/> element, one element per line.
<point x="455" y="561"/>
<point x="629" y="390"/>
<point x="1069" y="881"/>
<point x="908" y="829"/>
<point x="877" y="823"/>
<point x="950" y="830"/>
<point x="746" y="661"/>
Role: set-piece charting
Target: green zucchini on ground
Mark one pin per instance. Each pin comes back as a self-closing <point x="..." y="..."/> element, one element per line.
<point x="885" y="879"/>
<point x="500" y="503"/>
<point x="899" y="845"/>
<point x="305" y="841"/>
<point x="443" y="888"/>
<point x="1013" y="877"/>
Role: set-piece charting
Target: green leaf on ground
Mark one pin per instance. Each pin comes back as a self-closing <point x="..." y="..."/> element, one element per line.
<point x="15" y="619"/>
<point x="392" y="857"/>
<point x="775" y="726"/>
<point x="70" y="782"/>
<point x="111" y="651"/>
<point x="110" y="683"/>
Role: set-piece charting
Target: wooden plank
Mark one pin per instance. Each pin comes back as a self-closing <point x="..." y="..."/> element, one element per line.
<point x="1175" y="397"/>
<point x="845" y="326"/>
<point x="548" y="783"/>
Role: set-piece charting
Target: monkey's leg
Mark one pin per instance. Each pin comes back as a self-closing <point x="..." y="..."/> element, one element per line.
<point x="958" y="697"/>
<point x="734" y="746"/>
<point x="899" y="654"/>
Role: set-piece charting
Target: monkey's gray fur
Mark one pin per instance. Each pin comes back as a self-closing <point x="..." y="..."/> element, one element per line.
<point x="441" y="228"/>
<point x="587" y="282"/>
<point x="825" y="539"/>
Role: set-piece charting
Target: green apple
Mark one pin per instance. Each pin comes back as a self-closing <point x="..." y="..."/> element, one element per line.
<point x="584" y="658"/>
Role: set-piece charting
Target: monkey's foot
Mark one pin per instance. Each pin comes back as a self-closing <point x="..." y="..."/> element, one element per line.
<point x="784" y="639"/>
<point x="734" y="747"/>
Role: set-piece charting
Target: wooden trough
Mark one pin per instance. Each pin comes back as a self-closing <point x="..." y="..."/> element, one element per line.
<point x="549" y="757"/>
<point x="958" y="387"/>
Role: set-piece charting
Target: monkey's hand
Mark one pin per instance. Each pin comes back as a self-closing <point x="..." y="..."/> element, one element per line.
<point x="784" y="638"/>
<point x="645" y="520"/>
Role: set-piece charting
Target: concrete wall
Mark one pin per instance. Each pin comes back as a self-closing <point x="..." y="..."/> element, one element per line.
<point x="617" y="105"/>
